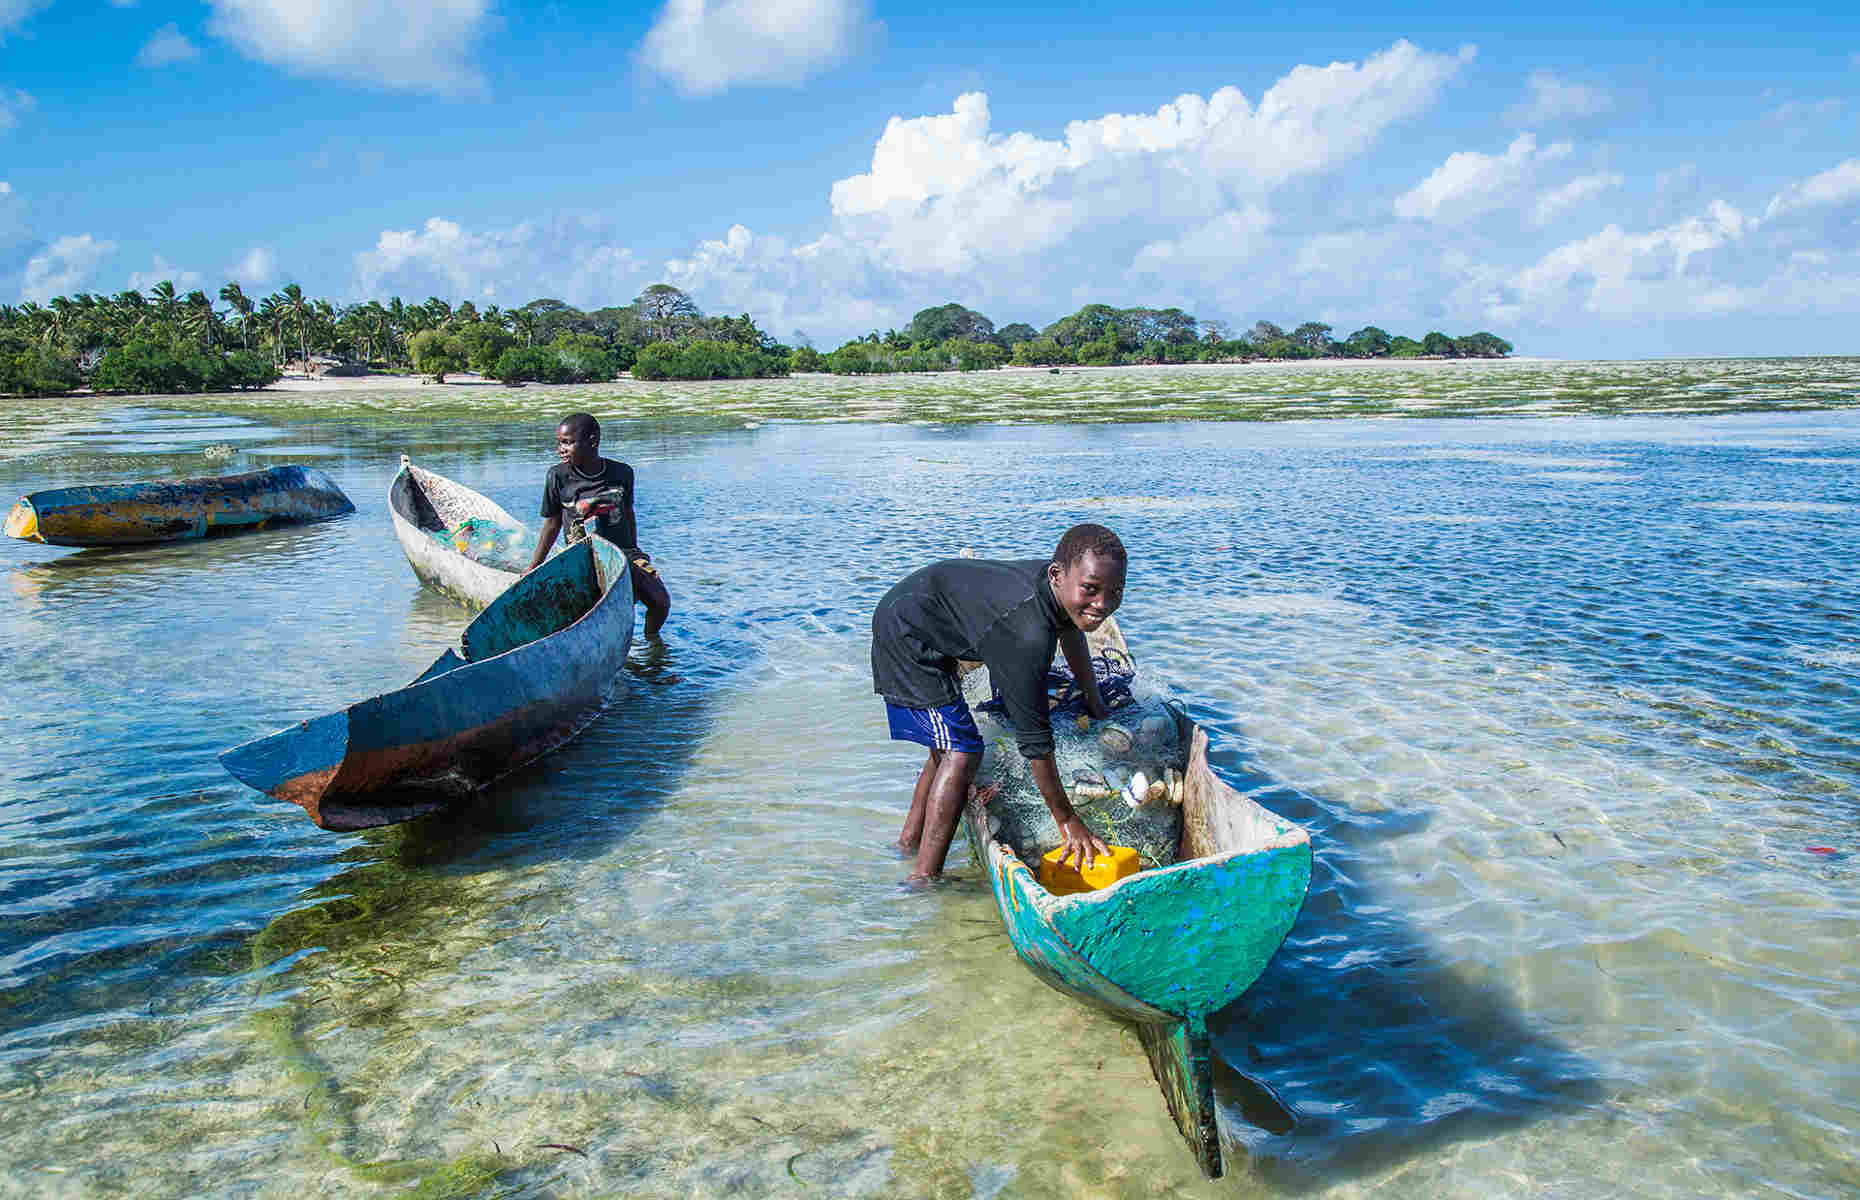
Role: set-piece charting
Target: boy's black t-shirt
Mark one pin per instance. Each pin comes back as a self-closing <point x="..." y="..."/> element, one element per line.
<point x="1003" y="614"/>
<point x="565" y="485"/>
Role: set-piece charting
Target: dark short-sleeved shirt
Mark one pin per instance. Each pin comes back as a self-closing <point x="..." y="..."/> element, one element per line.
<point x="565" y="485"/>
<point x="1002" y="614"/>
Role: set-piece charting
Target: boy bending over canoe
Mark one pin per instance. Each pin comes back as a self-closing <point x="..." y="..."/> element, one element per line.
<point x="583" y="487"/>
<point x="1008" y="616"/>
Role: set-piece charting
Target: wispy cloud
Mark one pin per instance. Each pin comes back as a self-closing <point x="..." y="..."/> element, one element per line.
<point x="161" y="269"/>
<point x="1559" y="200"/>
<point x="167" y="47"/>
<point x="13" y="13"/>
<point x="14" y="104"/>
<point x="1797" y="112"/>
<point x="1835" y="186"/>
<point x="1550" y="99"/>
<point x="419" y="46"/>
<point x="707" y="46"/>
<point x="258" y="267"/>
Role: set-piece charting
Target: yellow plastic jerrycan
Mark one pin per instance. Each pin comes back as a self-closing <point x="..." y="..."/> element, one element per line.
<point x="1105" y="871"/>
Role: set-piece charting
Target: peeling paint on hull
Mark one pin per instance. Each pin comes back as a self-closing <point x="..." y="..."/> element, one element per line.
<point x="1165" y="948"/>
<point x="128" y="514"/>
<point x="537" y="665"/>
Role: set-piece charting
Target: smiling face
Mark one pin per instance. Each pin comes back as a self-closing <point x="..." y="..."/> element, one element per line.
<point x="1089" y="590"/>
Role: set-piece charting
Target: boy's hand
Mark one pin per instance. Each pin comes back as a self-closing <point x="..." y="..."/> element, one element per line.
<point x="1080" y="841"/>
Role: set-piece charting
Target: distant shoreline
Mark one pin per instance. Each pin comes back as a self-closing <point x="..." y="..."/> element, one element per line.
<point x="404" y="382"/>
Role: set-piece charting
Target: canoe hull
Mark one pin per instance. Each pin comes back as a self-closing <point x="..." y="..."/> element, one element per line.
<point x="509" y="699"/>
<point x="128" y="514"/>
<point x="1165" y="948"/>
<point x="422" y="502"/>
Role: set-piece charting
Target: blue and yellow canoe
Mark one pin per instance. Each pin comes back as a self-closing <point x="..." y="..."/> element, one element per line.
<point x="1164" y="948"/>
<point x="128" y="514"/>
<point x="531" y="671"/>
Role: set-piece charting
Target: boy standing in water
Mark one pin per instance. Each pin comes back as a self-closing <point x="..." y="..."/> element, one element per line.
<point x="569" y="494"/>
<point x="1008" y="616"/>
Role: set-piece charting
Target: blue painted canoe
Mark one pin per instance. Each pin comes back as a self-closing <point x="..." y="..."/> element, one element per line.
<point x="531" y="671"/>
<point x="127" y="514"/>
<point x="1166" y="947"/>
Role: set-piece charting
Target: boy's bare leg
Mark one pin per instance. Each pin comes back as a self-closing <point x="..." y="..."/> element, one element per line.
<point x="948" y="792"/>
<point x="913" y="831"/>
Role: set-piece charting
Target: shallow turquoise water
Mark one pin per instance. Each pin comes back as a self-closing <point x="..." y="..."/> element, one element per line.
<point x="1570" y="705"/>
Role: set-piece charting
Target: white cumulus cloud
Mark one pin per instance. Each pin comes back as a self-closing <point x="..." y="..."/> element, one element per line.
<point x="504" y="266"/>
<point x="707" y="46"/>
<point x="1470" y="183"/>
<point x="946" y="193"/>
<point x="1171" y="202"/>
<point x="1639" y="274"/>
<point x="64" y="266"/>
<point x="1559" y="200"/>
<point x="167" y="47"/>
<point x="421" y="45"/>
<point x="1549" y="99"/>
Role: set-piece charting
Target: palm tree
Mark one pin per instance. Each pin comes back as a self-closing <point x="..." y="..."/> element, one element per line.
<point x="234" y="295"/>
<point x="162" y="297"/>
<point x="274" y="315"/>
<point x="297" y="306"/>
<point x="202" y="320"/>
<point x="523" y="321"/>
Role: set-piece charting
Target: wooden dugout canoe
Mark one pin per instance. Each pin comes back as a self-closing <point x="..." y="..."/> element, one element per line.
<point x="1166" y="947"/>
<point x="426" y="507"/>
<point x="531" y="671"/>
<point x="127" y="514"/>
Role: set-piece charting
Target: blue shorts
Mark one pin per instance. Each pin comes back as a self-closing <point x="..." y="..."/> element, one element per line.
<point x="946" y="727"/>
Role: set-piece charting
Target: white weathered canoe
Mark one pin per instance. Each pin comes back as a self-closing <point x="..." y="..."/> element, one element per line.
<point x="424" y="503"/>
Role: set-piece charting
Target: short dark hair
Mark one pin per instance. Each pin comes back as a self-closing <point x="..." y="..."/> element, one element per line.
<point x="581" y="423"/>
<point x="1081" y="540"/>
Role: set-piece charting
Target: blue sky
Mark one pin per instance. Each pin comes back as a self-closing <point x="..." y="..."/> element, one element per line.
<point x="1620" y="180"/>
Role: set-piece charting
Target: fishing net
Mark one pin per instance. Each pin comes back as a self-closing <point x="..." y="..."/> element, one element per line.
<point x="1099" y="762"/>
<point x="484" y="540"/>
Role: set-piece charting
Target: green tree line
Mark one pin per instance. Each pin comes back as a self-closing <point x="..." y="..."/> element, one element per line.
<point x="951" y="337"/>
<point x="164" y="341"/>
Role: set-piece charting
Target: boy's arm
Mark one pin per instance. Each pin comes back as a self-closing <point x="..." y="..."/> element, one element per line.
<point x="1076" y="838"/>
<point x="1078" y="657"/>
<point x="551" y="526"/>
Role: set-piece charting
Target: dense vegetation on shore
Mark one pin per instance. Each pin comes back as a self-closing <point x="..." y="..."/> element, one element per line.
<point x="164" y="341"/>
<point x="952" y="337"/>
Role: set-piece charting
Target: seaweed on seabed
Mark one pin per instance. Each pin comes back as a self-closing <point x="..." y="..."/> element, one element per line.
<point x="373" y="907"/>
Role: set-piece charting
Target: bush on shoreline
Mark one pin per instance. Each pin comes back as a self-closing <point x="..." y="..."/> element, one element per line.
<point x="702" y="358"/>
<point x="146" y="366"/>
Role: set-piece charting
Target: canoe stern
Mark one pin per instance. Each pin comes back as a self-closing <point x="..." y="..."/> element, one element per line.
<point x="296" y="764"/>
<point x="23" y="521"/>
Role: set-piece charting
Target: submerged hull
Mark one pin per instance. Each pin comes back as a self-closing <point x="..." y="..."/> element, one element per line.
<point x="423" y="503"/>
<point x="127" y="514"/>
<point x="531" y="675"/>
<point x="1165" y="948"/>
